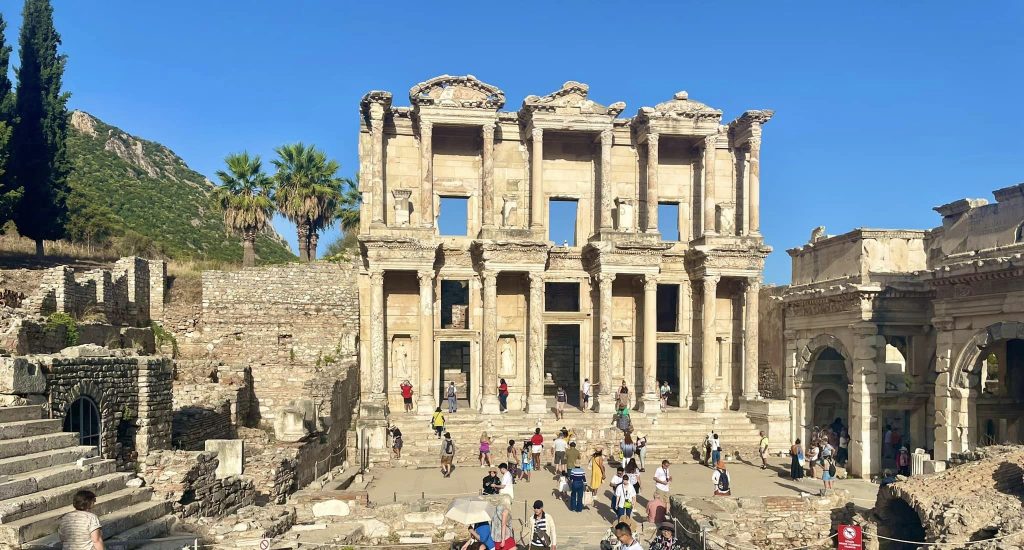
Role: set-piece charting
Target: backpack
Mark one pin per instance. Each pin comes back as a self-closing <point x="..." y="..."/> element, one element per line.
<point x="723" y="482"/>
<point x="831" y="467"/>
<point x="449" y="447"/>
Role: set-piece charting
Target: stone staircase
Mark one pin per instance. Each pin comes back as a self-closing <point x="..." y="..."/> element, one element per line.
<point x="41" y="469"/>
<point x="674" y="434"/>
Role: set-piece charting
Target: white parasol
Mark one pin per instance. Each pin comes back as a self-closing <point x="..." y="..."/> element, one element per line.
<point x="470" y="510"/>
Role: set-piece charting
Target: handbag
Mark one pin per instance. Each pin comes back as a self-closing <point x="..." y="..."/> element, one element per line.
<point x="588" y="498"/>
<point x="563" y="486"/>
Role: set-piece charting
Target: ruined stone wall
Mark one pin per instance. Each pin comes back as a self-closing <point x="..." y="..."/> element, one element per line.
<point x="133" y="395"/>
<point x="771" y="345"/>
<point x="285" y="322"/>
<point x="131" y="293"/>
<point x="210" y="401"/>
<point x="25" y="336"/>
<point x="189" y="481"/>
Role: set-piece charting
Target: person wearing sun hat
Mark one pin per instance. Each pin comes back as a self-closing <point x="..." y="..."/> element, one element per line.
<point x="666" y="538"/>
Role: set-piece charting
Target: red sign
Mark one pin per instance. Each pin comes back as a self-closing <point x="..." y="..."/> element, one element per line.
<point x="850" y="537"/>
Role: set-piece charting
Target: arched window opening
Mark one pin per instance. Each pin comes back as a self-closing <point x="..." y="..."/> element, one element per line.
<point x="83" y="417"/>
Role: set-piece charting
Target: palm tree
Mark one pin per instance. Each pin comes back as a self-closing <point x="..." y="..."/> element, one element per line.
<point x="246" y="195"/>
<point x="308" y="192"/>
<point x="348" y="206"/>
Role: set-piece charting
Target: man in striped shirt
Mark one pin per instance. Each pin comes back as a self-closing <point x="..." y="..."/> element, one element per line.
<point x="542" y="529"/>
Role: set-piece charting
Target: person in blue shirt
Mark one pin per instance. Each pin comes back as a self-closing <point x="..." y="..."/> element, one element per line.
<point x="577" y="483"/>
<point x="479" y="534"/>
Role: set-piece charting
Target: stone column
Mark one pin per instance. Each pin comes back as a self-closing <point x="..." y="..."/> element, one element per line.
<point x="709" y="184"/>
<point x="868" y="353"/>
<point x="754" y="185"/>
<point x="652" y="184"/>
<point x="945" y="421"/>
<point x="750" y="375"/>
<point x="426" y="205"/>
<point x="487" y="160"/>
<point x="711" y="400"/>
<point x="377" y="185"/>
<point x="537" y="180"/>
<point x="535" y="402"/>
<point x="650" y="402"/>
<point x="686" y="361"/>
<point x="489" y="382"/>
<point x="425" y="403"/>
<point x="606" y="180"/>
<point x="603" y="401"/>
<point x="377" y="332"/>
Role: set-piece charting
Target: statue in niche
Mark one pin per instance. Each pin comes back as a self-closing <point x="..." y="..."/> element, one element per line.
<point x="509" y="211"/>
<point x="726" y="218"/>
<point x="400" y="358"/>
<point x="402" y="206"/>
<point x="625" y="211"/>
<point x="507" y="357"/>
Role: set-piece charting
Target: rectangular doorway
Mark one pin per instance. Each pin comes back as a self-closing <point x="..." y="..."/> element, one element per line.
<point x="562" y="361"/>
<point x="668" y="371"/>
<point x="455" y="363"/>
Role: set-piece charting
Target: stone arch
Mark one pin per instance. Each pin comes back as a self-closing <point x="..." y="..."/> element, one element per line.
<point x="810" y="351"/>
<point x="967" y="361"/>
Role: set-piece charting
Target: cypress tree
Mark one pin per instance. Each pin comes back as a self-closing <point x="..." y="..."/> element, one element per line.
<point x="9" y="193"/>
<point x="39" y="161"/>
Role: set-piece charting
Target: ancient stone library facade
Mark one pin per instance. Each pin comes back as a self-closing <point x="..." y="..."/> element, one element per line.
<point x="920" y="331"/>
<point x="557" y="243"/>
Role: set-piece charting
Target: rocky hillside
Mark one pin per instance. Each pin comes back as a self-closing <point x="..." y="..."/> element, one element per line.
<point x="143" y="193"/>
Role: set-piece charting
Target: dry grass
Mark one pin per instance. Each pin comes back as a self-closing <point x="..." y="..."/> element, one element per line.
<point x="17" y="251"/>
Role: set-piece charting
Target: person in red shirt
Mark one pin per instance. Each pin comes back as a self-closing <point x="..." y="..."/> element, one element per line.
<point x="407" y="395"/>
<point x="536" y="446"/>
<point x="503" y="395"/>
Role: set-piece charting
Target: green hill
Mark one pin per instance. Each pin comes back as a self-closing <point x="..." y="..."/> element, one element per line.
<point x="139" y="191"/>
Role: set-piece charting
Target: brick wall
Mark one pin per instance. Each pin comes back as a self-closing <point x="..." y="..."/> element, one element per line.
<point x="189" y="481"/>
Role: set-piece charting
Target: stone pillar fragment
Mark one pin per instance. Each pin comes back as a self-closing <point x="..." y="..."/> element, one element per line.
<point x="944" y="420"/>
<point x="750" y="359"/>
<point x="709" y="184"/>
<point x="650" y="402"/>
<point x="754" y="186"/>
<point x="487" y="162"/>
<point x="710" y="399"/>
<point x="868" y="354"/>
<point x="606" y="180"/>
<point x="537" y="180"/>
<point x="377" y="164"/>
<point x="426" y="201"/>
<point x="603" y="401"/>
<point x="377" y="335"/>
<point x="489" y="383"/>
<point x="425" y="403"/>
<point x="535" y="402"/>
<point x="652" y="184"/>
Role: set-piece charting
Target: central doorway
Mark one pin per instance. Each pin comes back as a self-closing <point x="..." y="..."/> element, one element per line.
<point x="668" y="371"/>
<point x="562" y="361"/>
<point x="455" y="367"/>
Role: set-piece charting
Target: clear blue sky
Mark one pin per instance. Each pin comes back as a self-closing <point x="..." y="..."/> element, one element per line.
<point x="883" y="109"/>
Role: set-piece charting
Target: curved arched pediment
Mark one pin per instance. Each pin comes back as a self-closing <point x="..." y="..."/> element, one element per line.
<point x="681" y="106"/>
<point x="465" y="92"/>
<point x="571" y="98"/>
<point x="809" y="353"/>
<point x="968" y="360"/>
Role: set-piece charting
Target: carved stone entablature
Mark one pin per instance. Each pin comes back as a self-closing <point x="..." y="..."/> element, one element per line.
<point x="824" y="305"/>
<point x="511" y="255"/>
<point x="978" y="270"/>
<point x="450" y="256"/>
<point x="739" y="260"/>
<point x="375" y="105"/>
<point x="680" y="106"/>
<point x="678" y="116"/>
<point x="384" y="252"/>
<point x="463" y="92"/>
<point x="565" y="259"/>
<point x="624" y="257"/>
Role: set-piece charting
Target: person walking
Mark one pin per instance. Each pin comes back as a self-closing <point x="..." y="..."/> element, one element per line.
<point x="396" y="442"/>
<point x="720" y="478"/>
<point x="503" y="395"/>
<point x="662" y="483"/>
<point x="665" y="390"/>
<point x="622" y="398"/>
<point x="485" y="450"/>
<point x="501" y="529"/>
<point x="453" y="401"/>
<point x="707" y="449"/>
<point x="542" y="529"/>
<point x="812" y="458"/>
<point x="633" y="475"/>
<point x="585" y="390"/>
<point x="903" y="462"/>
<point x="641" y="450"/>
<point x="844" y="448"/>
<point x="81" y="529"/>
<point x="627" y="449"/>
<point x="625" y="498"/>
<point x="559" y="447"/>
<point x="666" y="538"/>
<point x="597" y="471"/>
<point x="527" y="461"/>
<point x="407" y="395"/>
<point x="618" y="479"/>
<point x="796" y="454"/>
<point x="762" y="451"/>
<point x="624" y="534"/>
<point x="536" y="447"/>
<point x="437" y="422"/>
<point x="828" y="473"/>
<point x="447" y="455"/>
<point x="577" y="483"/>
<point x="572" y="456"/>
<point x="561" y="398"/>
<point x="716" y="449"/>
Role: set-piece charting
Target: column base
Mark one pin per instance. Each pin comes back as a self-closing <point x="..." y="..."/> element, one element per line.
<point x="711" y="403"/>
<point x="489" y="405"/>
<point x="425" y="405"/>
<point x="536" y="405"/>
<point x="604" y="403"/>
<point x="650" y="404"/>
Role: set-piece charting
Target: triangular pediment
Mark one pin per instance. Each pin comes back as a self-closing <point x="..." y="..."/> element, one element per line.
<point x="571" y="99"/>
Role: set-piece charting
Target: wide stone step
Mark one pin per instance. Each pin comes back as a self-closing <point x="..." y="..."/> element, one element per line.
<point x="37" y="444"/>
<point x="142" y="534"/>
<point x="43" y="479"/>
<point x="30" y="428"/>
<point x="120" y="506"/>
<point x="21" y="412"/>
<point x="99" y="478"/>
<point x="45" y="459"/>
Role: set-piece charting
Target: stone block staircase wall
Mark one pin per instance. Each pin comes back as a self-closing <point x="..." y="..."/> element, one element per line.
<point x="674" y="434"/>
<point x="39" y="476"/>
